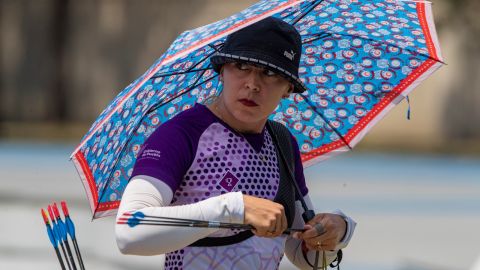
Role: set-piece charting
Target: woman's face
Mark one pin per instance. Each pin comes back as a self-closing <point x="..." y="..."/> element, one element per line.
<point x="251" y="93"/>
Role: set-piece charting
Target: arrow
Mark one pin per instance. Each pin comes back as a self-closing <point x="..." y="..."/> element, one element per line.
<point x="71" y="231"/>
<point x="57" y="233"/>
<point x="52" y="238"/>
<point x="63" y="234"/>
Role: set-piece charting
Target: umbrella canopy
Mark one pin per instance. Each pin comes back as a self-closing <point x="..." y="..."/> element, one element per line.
<point x="360" y="58"/>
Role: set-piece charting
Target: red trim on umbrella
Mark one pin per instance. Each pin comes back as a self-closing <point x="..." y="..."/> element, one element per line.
<point x="88" y="175"/>
<point x="99" y="207"/>
<point x="426" y="31"/>
<point x="373" y="113"/>
<point x="322" y="150"/>
<point x="104" y="206"/>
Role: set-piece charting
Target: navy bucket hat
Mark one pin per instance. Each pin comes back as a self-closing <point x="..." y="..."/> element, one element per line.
<point x="270" y="43"/>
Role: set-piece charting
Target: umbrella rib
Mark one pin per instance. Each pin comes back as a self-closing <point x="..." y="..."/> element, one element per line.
<point x="182" y="93"/>
<point x="204" y="58"/>
<point x="312" y="6"/>
<point x="215" y="49"/>
<point x="325" y="120"/>
<point x="315" y="37"/>
<point x="191" y="68"/>
<point x="381" y="43"/>
<point x="179" y="72"/>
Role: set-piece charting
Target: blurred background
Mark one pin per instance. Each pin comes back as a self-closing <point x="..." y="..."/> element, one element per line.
<point x="413" y="186"/>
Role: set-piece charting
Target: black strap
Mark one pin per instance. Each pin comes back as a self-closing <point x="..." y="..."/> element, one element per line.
<point x="281" y="135"/>
<point x="222" y="241"/>
<point x="285" y="194"/>
<point x="286" y="162"/>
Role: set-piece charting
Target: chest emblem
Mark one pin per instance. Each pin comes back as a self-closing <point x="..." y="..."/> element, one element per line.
<point x="229" y="181"/>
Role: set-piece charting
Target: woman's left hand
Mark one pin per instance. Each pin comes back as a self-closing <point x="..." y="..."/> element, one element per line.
<point x="323" y="232"/>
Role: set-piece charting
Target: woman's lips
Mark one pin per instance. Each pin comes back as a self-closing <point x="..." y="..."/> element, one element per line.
<point x="248" y="102"/>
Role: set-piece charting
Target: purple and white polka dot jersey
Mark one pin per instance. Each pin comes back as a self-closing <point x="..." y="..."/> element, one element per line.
<point x="225" y="162"/>
<point x="198" y="156"/>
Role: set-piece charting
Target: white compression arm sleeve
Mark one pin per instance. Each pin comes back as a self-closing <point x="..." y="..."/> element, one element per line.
<point x="293" y="246"/>
<point x="152" y="197"/>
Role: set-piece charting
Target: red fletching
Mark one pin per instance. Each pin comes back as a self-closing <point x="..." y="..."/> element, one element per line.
<point x="45" y="218"/>
<point x="50" y="212"/>
<point x="55" y="210"/>
<point x="64" y="208"/>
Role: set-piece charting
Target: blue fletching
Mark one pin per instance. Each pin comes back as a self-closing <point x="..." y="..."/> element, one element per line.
<point x="133" y="221"/>
<point x="56" y="234"/>
<point x="62" y="230"/>
<point x="139" y="215"/>
<point x="70" y="227"/>
<point x="52" y="237"/>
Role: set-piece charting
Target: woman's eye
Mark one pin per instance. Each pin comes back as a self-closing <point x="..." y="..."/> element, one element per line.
<point x="242" y="66"/>
<point x="269" y="73"/>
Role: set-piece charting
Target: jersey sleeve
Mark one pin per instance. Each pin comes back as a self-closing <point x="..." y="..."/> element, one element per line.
<point x="299" y="176"/>
<point x="166" y="154"/>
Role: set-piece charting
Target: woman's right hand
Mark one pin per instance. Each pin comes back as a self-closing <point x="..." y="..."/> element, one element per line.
<point x="267" y="217"/>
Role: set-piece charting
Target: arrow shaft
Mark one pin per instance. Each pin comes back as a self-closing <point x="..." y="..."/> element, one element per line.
<point x="79" y="255"/>
<point x="201" y="225"/>
<point x="65" y="254"/>
<point x="70" y="255"/>
<point x="59" y="258"/>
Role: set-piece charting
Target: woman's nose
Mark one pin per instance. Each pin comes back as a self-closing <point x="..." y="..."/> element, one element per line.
<point x="253" y="80"/>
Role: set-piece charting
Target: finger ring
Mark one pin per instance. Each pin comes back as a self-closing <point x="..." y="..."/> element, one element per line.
<point x="319" y="228"/>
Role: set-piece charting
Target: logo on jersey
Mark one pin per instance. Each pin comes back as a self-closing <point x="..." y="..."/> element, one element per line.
<point x="228" y="182"/>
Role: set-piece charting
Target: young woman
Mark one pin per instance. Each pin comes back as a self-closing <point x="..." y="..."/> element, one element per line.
<point x="218" y="162"/>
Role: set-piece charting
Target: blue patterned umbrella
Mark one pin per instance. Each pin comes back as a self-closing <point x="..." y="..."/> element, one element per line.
<point x="360" y="59"/>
